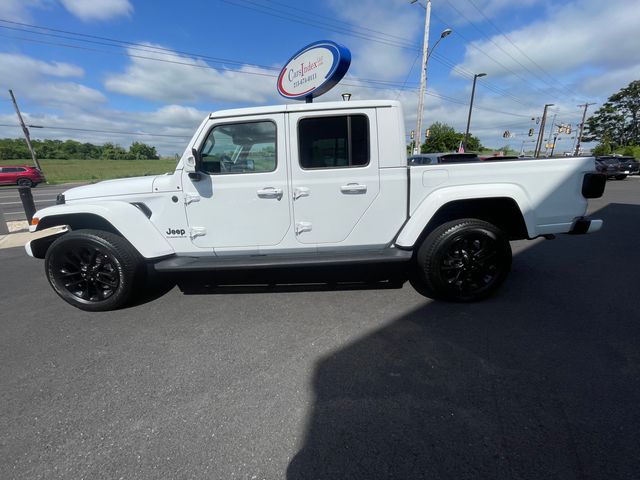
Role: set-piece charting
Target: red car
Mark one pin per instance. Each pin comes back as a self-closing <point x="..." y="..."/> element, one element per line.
<point x="23" y="176"/>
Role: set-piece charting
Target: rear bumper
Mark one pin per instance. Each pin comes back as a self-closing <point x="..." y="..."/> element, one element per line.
<point x="582" y="225"/>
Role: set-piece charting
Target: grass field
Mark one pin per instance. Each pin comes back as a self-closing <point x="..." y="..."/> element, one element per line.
<point x="66" y="171"/>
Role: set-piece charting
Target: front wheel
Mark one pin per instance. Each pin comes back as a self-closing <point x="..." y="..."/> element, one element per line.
<point x="25" y="182"/>
<point x="621" y="177"/>
<point x="93" y="270"/>
<point x="463" y="260"/>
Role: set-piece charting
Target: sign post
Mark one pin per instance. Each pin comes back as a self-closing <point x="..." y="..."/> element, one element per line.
<point x="313" y="70"/>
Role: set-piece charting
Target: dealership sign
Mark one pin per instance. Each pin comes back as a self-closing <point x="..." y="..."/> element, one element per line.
<point x="314" y="70"/>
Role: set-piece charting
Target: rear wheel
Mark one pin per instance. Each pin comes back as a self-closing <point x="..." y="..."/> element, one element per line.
<point x="25" y="182"/>
<point x="93" y="270"/>
<point x="463" y="260"/>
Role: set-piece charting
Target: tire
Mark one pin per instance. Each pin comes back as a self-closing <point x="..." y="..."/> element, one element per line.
<point x="25" y="182"/>
<point x="93" y="270"/>
<point x="463" y="260"/>
<point x="620" y="177"/>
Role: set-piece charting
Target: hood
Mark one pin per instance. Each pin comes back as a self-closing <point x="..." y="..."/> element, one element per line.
<point x="111" y="188"/>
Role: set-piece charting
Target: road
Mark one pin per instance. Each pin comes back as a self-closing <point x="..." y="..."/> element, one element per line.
<point x="43" y="196"/>
<point x="542" y="381"/>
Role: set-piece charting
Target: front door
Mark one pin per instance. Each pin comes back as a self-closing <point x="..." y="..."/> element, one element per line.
<point x="241" y="200"/>
<point x="334" y="172"/>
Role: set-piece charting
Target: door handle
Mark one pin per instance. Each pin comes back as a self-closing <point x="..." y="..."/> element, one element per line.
<point x="270" y="192"/>
<point x="353" y="188"/>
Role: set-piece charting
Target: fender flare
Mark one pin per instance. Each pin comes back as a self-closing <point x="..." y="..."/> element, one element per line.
<point x="433" y="202"/>
<point x="124" y="218"/>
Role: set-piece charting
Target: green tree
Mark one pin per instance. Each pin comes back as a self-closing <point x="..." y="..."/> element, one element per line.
<point x="444" y="138"/>
<point x="112" y="151"/>
<point x="139" y="151"/>
<point x="618" y="119"/>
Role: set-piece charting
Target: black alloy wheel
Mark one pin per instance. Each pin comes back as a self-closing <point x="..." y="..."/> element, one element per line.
<point x="25" y="182"/>
<point x="93" y="270"/>
<point x="463" y="260"/>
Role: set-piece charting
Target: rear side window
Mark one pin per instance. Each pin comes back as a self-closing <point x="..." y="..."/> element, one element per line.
<point x="334" y="142"/>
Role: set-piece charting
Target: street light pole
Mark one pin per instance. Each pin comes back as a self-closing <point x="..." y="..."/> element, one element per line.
<point x="473" y="92"/>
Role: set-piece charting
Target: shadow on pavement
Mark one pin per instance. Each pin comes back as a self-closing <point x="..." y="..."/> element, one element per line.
<point x="542" y="381"/>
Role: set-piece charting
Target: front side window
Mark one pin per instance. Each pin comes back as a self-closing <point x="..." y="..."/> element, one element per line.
<point x="334" y="142"/>
<point x="240" y="148"/>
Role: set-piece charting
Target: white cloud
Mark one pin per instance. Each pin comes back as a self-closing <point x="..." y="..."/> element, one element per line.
<point x="384" y="26"/>
<point x="18" y="10"/>
<point x="98" y="9"/>
<point x="573" y="36"/>
<point x="163" y="81"/>
<point x="460" y="12"/>
<point x="31" y="80"/>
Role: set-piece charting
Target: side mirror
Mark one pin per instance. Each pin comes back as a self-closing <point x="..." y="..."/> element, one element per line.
<point x="192" y="164"/>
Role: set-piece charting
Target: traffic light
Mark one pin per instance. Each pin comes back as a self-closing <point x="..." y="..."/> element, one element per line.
<point x="531" y="132"/>
<point x="427" y="134"/>
<point x="413" y="134"/>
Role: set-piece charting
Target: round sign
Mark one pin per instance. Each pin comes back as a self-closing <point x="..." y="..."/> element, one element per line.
<point x="314" y="70"/>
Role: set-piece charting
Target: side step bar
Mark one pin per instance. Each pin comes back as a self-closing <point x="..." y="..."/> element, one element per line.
<point x="227" y="263"/>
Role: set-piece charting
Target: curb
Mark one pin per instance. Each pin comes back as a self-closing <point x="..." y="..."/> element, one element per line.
<point x="19" y="239"/>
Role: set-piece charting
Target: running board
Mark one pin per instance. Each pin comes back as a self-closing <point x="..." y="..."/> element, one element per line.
<point x="211" y="263"/>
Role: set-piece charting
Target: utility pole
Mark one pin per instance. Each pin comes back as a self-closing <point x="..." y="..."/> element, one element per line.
<point x="423" y="77"/>
<point x="546" y="142"/>
<point x="584" y="116"/>
<point x="25" y="130"/>
<point x="541" y="132"/>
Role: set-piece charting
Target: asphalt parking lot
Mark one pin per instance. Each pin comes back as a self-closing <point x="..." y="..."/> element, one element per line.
<point x="542" y="381"/>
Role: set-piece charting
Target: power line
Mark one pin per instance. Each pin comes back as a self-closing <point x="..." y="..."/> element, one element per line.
<point x="522" y="52"/>
<point x="304" y="20"/>
<point x="472" y="45"/>
<point x="348" y="24"/>
<point x="117" y="132"/>
<point x="107" y="41"/>
<point x="285" y="15"/>
<point x="83" y="37"/>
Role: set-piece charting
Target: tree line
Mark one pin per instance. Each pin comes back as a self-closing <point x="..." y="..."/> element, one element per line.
<point x="16" y="148"/>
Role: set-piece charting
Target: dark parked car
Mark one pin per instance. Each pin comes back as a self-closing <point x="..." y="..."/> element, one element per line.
<point x="630" y="165"/>
<point x="617" y="167"/>
<point x="436" y="158"/>
<point x="23" y="176"/>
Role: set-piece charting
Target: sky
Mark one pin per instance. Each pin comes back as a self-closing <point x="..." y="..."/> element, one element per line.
<point x="149" y="71"/>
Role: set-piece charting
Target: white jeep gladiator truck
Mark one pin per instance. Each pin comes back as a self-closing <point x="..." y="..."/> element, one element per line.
<point x="310" y="185"/>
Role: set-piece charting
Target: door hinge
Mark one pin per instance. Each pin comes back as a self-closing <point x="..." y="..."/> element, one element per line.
<point x="197" y="232"/>
<point x="188" y="198"/>
<point x="303" y="227"/>
<point x="299" y="192"/>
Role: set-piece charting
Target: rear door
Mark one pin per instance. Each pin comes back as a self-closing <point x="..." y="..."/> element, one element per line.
<point x="334" y="172"/>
